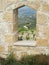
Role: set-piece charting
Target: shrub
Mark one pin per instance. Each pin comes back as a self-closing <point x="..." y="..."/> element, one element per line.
<point x="27" y="37"/>
<point x="11" y="60"/>
<point x="28" y="60"/>
<point x="20" y="38"/>
<point x="36" y="60"/>
<point x="2" y="61"/>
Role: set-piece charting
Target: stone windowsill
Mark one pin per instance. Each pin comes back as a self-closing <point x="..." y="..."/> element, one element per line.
<point x="25" y="43"/>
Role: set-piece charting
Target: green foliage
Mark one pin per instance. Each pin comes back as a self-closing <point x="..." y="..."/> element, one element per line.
<point x="27" y="37"/>
<point x="27" y="60"/>
<point x="11" y="60"/>
<point x="2" y="61"/>
<point x="21" y="29"/>
<point x="20" y="38"/>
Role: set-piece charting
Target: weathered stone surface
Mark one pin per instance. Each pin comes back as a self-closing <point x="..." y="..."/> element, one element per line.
<point x="1" y="5"/>
<point x="10" y="1"/>
<point x="15" y="27"/>
<point x="46" y="30"/>
<point x="10" y="49"/>
<point x="9" y="25"/>
<point x="30" y="50"/>
<point x="8" y="28"/>
<point x="41" y="31"/>
<point x="11" y="38"/>
<point x="45" y="8"/>
<point x="42" y="42"/>
<point x="42" y="18"/>
<point x="19" y="48"/>
<point x="34" y="5"/>
<point x="23" y="54"/>
<point x="8" y="17"/>
<point x="2" y="49"/>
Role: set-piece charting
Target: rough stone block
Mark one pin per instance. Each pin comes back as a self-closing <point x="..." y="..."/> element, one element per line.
<point x="39" y="28"/>
<point x="10" y="1"/>
<point x="8" y="27"/>
<point x="37" y="4"/>
<point x="2" y="48"/>
<point x="23" y="54"/>
<point x="12" y="27"/>
<point x="1" y="5"/>
<point x="41" y="18"/>
<point x="10" y="49"/>
<point x="45" y="7"/>
<point x="18" y="48"/>
<point x="46" y="30"/>
<point x="8" y="17"/>
<point x="11" y="38"/>
<point x="42" y="42"/>
<point x="15" y="27"/>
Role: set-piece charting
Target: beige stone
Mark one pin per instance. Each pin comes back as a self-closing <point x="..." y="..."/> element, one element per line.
<point x="41" y="18"/>
<point x="46" y="30"/>
<point x="2" y="48"/>
<point x="1" y="5"/>
<point x="13" y="27"/>
<point x="15" y="15"/>
<point x="45" y="7"/>
<point x="23" y="54"/>
<point x="11" y="38"/>
<point x="42" y="42"/>
<point x="8" y="17"/>
<point x="34" y="4"/>
<point x="10" y="49"/>
<point x="9" y="13"/>
<point x="11" y="1"/>
<point x="37" y="4"/>
<point x="18" y="48"/>
<point x="43" y="30"/>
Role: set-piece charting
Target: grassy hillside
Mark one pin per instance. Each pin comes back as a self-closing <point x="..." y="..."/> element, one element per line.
<point x="26" y="23"/>
<point x="26" y="17"/>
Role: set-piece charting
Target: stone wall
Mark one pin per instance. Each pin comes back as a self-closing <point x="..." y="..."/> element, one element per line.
<point x="9" y="21"/>
<point x="20" y="51"/>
